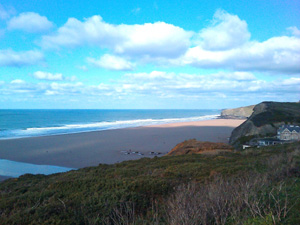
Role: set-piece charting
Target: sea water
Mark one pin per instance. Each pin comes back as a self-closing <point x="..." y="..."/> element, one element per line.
<point x="33" y="123"/>
<point x="14" y="169"/>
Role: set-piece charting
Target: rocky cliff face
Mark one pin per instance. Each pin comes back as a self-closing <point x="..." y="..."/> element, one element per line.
<point x="193" y="146"/>
<point x="265" y="120"/>
<point x="237" y="113"/>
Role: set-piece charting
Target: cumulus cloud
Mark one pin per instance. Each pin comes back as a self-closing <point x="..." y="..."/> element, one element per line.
<point x="226" y="32"/>
<point x="224" y="44"/>
<point x="30" y="22"/>
<point x="9" y="57"/>
<point x="277" y="54"/>
<point x="111" y="62"/>
<point x="150" y="39"/>
<point x="48" y="76"/>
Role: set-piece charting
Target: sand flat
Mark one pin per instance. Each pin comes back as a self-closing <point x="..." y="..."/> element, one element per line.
<point x="91" y="148"/>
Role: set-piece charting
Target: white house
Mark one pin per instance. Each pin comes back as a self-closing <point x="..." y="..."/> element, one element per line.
<point x="289" y="133"/>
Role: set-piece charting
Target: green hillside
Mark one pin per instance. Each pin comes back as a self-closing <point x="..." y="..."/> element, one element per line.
<point x="156" y="191"/>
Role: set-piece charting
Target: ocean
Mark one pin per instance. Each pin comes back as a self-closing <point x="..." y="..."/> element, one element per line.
<point x="33" y="123"/>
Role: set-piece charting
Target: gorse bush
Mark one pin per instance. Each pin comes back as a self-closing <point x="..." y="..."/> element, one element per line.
<point x="259" y="186"/>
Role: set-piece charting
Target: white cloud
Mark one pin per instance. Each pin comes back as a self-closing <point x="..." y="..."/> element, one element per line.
<point x="294" y="30"/>
<point x="162" y="85"/>
<point x="66" y="88"/>
<point x="291" y="81"/>
<point x="9" y="57"/>
<point x="148" y="77"/>
<point x="17" y="81"/>
<point x="238" y="84"/>
<point x="112" y="62"/>
<point x="150" y="39"/>
<point x="226" y="32"/>
<point x="224" y="44"/>
<point x="29" y="22"/>
<point x="241" y="76"/>
<point x="48" y="76"/>
<point x="277" y="54"/>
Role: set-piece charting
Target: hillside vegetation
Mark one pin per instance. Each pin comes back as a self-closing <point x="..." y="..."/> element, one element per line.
<point x="251" y="187"/>
<point x="266" y="118"/>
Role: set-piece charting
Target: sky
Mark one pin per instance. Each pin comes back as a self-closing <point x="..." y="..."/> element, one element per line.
<point x="158" y="54"/>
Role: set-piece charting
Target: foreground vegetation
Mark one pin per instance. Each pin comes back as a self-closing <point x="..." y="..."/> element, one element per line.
<point x="258" y="186"/>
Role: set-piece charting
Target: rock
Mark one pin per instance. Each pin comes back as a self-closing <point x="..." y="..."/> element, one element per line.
<point x="237" y="113"/>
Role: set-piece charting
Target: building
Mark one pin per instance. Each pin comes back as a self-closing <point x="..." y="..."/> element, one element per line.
<point x="268" y="141"/>
<point x="289" y="133"/>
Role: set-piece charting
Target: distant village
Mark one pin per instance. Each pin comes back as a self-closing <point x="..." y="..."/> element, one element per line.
<point x="285" y="134"/>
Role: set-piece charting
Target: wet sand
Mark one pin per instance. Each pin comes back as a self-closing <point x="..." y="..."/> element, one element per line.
<point x="110" y="146"/>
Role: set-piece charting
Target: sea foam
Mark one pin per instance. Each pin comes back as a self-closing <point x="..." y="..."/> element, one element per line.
<point x="87" y="127"/>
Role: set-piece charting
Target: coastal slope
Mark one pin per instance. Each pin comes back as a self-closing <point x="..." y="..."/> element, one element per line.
<point x="266" y="118"/>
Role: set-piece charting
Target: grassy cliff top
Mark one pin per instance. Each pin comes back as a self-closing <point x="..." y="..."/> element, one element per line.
<point x="274" y="112"/>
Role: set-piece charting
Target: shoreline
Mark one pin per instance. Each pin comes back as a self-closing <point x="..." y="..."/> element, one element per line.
<point x="78" y="150"/>
<point x="184" y="120"/>
<point x="151" y="125"/>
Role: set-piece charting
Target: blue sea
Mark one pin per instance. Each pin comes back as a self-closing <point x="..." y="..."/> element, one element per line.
<point x="33" y="123"/>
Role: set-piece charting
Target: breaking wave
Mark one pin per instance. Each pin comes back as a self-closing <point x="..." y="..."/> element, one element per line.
<point x="78" y="128"/>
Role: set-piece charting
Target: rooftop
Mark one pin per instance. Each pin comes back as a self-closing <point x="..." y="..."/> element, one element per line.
<point x="291" y="128"/>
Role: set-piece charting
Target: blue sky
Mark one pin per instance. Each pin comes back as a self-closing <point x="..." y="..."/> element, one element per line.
<point x="148" y="54"/>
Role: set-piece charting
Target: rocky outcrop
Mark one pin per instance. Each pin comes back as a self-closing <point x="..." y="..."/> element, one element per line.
<point x="193" y="146"/>
<point x="265" y="120"/>
<point x="237" y="113"/>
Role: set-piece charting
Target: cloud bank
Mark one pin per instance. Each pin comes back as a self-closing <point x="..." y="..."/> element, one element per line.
<point x="161" y="84"/>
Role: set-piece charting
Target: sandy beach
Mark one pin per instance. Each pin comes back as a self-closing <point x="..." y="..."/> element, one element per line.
<point x="110" y="146"/>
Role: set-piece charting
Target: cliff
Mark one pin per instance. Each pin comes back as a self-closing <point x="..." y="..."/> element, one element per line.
<point x="237" y="113"/>
<point x="193" y="146"/>
<point x="265" y="120"/>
